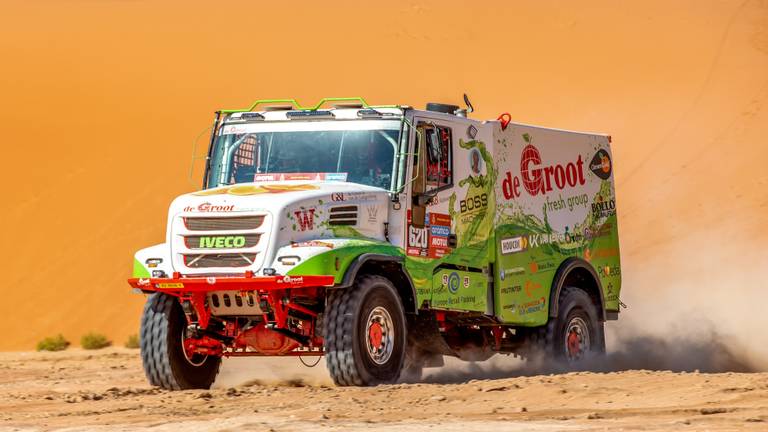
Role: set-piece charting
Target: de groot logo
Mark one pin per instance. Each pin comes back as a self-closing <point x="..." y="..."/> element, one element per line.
<point x="305" y="219"/>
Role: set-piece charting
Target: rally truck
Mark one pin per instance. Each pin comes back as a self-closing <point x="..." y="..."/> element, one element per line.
<point x="383" y="238"/>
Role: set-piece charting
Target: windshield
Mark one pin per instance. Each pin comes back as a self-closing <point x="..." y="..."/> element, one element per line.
<point x="358" y="151"/>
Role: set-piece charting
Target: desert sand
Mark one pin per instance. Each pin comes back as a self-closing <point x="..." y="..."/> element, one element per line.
<point x="79" y="391"/>
<point x="103" y="102"/>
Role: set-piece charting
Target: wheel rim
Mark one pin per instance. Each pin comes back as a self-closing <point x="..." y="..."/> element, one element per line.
<point x="576" y="339"/>
<point x="379" y="335"/>
<point x="191" y="357"/>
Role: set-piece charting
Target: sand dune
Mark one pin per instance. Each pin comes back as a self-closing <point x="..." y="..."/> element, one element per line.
<point x="103" y="100"/>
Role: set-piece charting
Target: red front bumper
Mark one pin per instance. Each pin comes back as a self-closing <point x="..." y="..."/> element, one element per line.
<point x="179" y="284"/>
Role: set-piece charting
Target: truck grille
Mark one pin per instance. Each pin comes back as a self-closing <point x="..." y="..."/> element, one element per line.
<point x="219" y="260"/>
<point x="232" y="242"/>
<point x="223" y="223"/>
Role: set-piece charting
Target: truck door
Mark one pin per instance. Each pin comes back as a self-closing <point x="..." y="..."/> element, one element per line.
<point x="448" y="255"/>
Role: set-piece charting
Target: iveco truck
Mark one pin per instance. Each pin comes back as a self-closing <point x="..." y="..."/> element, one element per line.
<point x="382" y="238"/>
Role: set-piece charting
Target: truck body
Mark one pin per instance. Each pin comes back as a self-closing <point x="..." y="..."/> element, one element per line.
<point x="383" y="238"/>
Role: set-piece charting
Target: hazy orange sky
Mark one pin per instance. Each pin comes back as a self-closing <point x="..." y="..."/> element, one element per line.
<point x="102" y="101"/>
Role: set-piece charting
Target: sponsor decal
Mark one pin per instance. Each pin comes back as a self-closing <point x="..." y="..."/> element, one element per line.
<point x="230" y="130"/>
<point x="601" y="164"/>
<point x="338" y="197"/>
<point x="568" y="203"/>
<point x="423" y="242"/>
<point x="417" y="237"/>
<point x="511" y="289"/>
<point x="600" y="253"/>
<point x="437" y="241"/>
<point x="453" y="283"/>
<point x="373" y="213"/>
<point x="301" y="176"/>
<point x="475" y="161"/>
<point x="439" y="219"/>
<point x="514" y="245"/>
<point x="306" y="219"/>
<point x="208" y="207"/>
<point x="266" y="177"/>
<point x="609" y="271"/>
<point x="514" y="271"/>
<point x="540" y="179"/>
<point x="440" y="230"/>
<point x="419" y="252"/>
<point x="143" y="282"/>
<point x="249" y="189"/>
<point x="605" y="229"/>
<point x="336" y="177"/>
<point x="477" y="202"/>
<point x="603" y="209"/>
<point x="313" y="243"/>
<point x="531" y="307"/>
<point x="540" y="266"/>
<point x="211" y="280"/>
<point x="221" y="242"/>
<point x="466" y="281"/>
<point x="166" y="285"/>
<point x="291" y="280"/>
<point x="530" y="287"/>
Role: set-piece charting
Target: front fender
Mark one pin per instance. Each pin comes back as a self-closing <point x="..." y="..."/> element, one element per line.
<point x="161" y="251"/>
<point x="328" y="257"/>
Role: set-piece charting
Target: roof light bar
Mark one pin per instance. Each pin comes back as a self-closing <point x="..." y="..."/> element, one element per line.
<point x="298" y="106"/>
<point x="310" y="115"/>
<point x="251" y="116"/>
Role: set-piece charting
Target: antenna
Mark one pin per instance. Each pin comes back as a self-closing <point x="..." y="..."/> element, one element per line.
<point x="470" y="108"/>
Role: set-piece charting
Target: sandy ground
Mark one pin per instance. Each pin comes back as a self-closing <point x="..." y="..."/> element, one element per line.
<point x="81" y="390"/>
<point x="103" y="101"/>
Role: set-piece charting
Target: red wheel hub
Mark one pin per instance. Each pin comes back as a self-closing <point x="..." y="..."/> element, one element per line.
<point x="574" y="343"/>
<point x="375" y="335"/>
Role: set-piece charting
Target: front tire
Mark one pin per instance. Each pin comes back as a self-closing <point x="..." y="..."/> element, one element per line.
<point x="166" y="365"/>
<point x="365" y="333"/>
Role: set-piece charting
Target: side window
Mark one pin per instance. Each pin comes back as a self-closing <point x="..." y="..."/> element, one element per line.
<point x="439" y="157"/>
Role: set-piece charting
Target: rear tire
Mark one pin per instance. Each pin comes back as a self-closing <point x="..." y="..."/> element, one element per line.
<point x="365" y="333"/>
<point x="163" y="327"/>
<point x="575" y="335"/>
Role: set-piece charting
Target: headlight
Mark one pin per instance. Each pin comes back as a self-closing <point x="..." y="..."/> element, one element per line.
<point x="153" y="262"/>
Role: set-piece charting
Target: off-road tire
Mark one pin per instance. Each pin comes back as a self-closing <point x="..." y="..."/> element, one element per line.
<point x="162" y="355"/>
<point x="346" y="315"/>
<point x="549" y="341"/>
